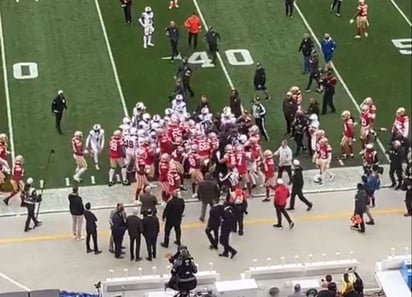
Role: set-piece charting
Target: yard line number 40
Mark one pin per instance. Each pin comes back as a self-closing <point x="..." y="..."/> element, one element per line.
<point x="404" y="45"/>
<point x="235" y="57"/>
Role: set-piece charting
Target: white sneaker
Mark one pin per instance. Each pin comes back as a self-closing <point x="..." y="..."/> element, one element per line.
<point x="150" y="44"/>
<point x="76" y="178"/>
<point x="194" y="196"/>
<point x="357" y="37"/>
<point x="144" y="45"/>
<point x="177" y="6"/>
<point x="97" y="167"/>
<point x="366" y="34"/>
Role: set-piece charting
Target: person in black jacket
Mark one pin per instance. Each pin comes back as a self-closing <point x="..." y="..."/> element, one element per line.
<point x="127" y="10"/>
<point x="172" y="215"/>
<point x="119" y="227"/>
<point x="289" y="108"/>
<point x="395" y="166"/>
<point x="213" y="224"/>
<point x="91" y="230"/>
<point x="297" y="187"/>
<point x="306" y="47"/>
<point x="235" y="103"/>
<point x="361" y="203"/>
<point x="135" y="230"/>
<point x="57" y="107"/>
<point x="300" y="126"/>
<point x="314" y="71"/>
<point x="77" y="211"/>
<point x="228" y="223"/>
<point x="313" y="107"/>
<point x="407" y="187"/>
<point x="259" y="80"/>
<point x="151" y="229"/>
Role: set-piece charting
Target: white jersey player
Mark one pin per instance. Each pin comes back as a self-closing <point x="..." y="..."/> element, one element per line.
<point x="179" y="107"/>
<point x="130" y="142"/>
<point x="125" y="126"/>
<point x="147" y="22"/>
<point x="144" y="124"/>
<point x="138" y="112"/>
<point x="227" y="117"/>
<point x="95" y="143"/>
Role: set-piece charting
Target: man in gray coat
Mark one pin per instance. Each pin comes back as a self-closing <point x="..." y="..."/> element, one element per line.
<point x="361" y="204"/>
<point x="208" y="192"/>
<point x="149" y="201"/>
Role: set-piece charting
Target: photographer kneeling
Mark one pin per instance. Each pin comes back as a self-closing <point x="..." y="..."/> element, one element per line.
<point x="183" y="277"/>
<point x="29" y="198"/>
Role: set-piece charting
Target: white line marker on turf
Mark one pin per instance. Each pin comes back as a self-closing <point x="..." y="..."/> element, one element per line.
<point x="67" y="181"/>
<point x="344" y="85"/>
<point x="403" y="15"/>
<point x="92" y="180"/>
<point x="6" y="91"/>
<point x="222" y="64"/>
<point x="109" y="51"/>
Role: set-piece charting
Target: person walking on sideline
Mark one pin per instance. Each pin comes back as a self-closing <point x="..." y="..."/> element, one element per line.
<point x="127" y="10"/>
<point x="328" y="46"/>
<point x="91" y="230"/>
<point x="193" y="25"/>
<point x="228" y="222"/>
<point x="172" y="32"/>
<point x="57" y="107"/>
<point x="148" y="201"/>
<point x="151" y="229"/>
<point x="361" y="203"/>
<point x="297" y="187"/>
<point x="281" y="197"/>
<point x="172" y="216"/>
<point x="135" y="229"/>
<point x="119" y="227"/>
<point x="208" y="191"/>
<point x="77" y="212"/>
<point x="213" y="224"/>
<point x="285" y="155"/>
<point x="306" y="46"/>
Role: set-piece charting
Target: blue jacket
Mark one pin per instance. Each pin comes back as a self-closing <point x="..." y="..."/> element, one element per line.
<point x="328" y="46"/>
<point x="372" y="184"/>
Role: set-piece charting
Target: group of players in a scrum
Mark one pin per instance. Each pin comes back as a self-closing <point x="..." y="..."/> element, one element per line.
<point x="179" y="143"/>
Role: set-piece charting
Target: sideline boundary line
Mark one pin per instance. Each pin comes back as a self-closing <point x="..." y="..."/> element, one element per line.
<point x="7" y="92"/>
<point x="111" y="58"/>
<point x="344" y="85"/>
<point x="14" y="282"/>
<point x="219" y="57"/>
<point x="403" y="15"/>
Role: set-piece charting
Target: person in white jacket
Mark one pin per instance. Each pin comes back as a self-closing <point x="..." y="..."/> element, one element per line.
<point x="285" y="155"/>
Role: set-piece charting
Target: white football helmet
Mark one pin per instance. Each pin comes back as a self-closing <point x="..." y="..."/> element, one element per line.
<point x="133" y="131"/>
<point x="19" y="159"/>
<point x="96" y="127"/>
<point x="126" y="121"/>
<point x="204" y="110"/>
<point x="140" y="106"/>
<point x="179" y="97"/>
<point x="146" y="117"/>
<point x="78" y="134"/>
<point x="168" y="112"/>
<point x="156" y="118"/>
<point x="313" y="117"/>
<point x="147" y="9"/>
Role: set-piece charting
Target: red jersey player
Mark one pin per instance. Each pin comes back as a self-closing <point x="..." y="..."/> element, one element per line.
<point x="16" y="179"/>
<point x="116" y="157"/>
<point x="78" y="155"/>
<point x="241" y="166"/>
<point x="173" y="180"/>
<point x="269" y="172"/>
<point x="196" y="175"/>
<point x="141" y="179"/>
<point x="361" y="19"/>
<point x="163" y="168"/>
<point x="401" y="123"/>
<point x="346" y="143"/>
<point x="3" y="153"/>
<point x="366" y="119"/>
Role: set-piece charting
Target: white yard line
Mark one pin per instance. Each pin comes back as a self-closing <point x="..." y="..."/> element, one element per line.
<point x="222" y="64"/>
<point x="6" y="91"/>
<point x="16" y="283"/>
<point x="344" y="85"/>
<point x="109" y="50"/>
<point x="403" y="15"/>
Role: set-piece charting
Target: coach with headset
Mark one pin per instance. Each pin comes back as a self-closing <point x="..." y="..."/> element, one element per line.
<point x="259" y="114"/>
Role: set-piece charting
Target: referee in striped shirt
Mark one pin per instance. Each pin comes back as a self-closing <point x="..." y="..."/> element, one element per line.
<point x="259" y="113"/>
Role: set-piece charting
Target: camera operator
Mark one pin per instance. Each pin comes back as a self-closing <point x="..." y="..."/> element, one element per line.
<point x="395" y="166"/>
<point x="183" y="272"/>
<point x="300" y="125"/>
<point x="30" y="198"/>
<point x="407" y="187"/>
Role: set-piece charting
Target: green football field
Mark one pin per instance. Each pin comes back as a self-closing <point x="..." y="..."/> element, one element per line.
<point x="86" y="49"/>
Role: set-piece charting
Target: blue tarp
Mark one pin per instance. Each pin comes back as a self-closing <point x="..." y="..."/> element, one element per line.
<point x="76" y="294"/>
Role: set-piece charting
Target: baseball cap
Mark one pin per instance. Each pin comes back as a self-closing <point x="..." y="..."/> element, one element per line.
<point x="297" y="287"/>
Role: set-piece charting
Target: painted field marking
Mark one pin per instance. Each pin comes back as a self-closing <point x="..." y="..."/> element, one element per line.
<point x="403" y="15"/>
<point x="112" y="62"/>
<point x="14" y="282"/>
<point x="219" y="57"/>
<point x="6" y="91"/>
<point x="67" y="181"/>
<point x="344" y="85"/>
<point x="92" y="180"/>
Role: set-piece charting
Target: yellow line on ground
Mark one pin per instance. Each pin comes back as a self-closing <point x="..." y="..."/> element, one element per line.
<point x="262" y="221"/>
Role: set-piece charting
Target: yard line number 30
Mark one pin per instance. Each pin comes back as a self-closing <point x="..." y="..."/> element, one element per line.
<point x="235" y="57"/>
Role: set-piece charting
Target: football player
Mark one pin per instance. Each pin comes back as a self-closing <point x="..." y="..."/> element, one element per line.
<point x="346" y="143"/>
<point x="130" y="142"/>
<point x="116" y="158"/>
<point x="138" y="112"/>
<point x="16" y="179"/>
<point x="179" y="106"/>
<point x="147" y="22"/>
<point x="323" y="158"/>
<point x="95" y="143"/>
<point x="362" y="22"/>
<point x="3" y="153"/>
<point x="125" y="126"/>
<point x="78" y="155"/>
<point x="196" y="175"/>
<point x="269" y="172"/>
<point x="401" y="123"/>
